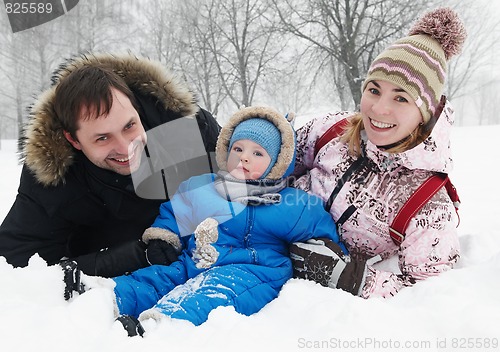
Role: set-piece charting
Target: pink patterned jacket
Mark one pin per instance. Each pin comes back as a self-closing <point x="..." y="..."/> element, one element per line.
<point x="378" y="190"/>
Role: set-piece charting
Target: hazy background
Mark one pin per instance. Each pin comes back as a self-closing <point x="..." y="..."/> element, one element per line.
<point x="291" y="65"/>
<point x="295" y="55"/>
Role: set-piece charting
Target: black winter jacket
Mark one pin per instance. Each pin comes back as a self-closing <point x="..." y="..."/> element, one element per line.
<point x="66" y="206"/>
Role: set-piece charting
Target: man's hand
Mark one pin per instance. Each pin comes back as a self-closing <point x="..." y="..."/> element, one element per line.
<point x="159" y="252"/>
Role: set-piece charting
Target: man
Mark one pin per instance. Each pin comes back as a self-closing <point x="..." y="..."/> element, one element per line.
<point x="85" y="141"/>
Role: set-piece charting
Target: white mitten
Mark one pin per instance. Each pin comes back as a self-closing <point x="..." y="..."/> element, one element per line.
<point x="206" y="233"/>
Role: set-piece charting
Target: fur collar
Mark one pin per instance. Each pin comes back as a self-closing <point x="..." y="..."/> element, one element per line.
<point x="44" y="149"/>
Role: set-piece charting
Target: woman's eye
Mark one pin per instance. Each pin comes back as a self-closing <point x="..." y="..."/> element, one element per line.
<point x="374" y="91"/>
<point x="401" y="99"/>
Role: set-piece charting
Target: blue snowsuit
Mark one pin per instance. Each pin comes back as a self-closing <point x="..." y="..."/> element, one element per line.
<point x="253" y="262"/>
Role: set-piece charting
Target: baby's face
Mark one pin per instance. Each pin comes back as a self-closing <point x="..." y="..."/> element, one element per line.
<point x="247" y="160"/>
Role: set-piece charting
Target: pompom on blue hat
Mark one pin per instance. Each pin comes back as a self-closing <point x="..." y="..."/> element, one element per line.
<point x="262" y="132"/>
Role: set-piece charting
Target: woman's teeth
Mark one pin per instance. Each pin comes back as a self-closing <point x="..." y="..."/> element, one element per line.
<point x="381" y="124"/>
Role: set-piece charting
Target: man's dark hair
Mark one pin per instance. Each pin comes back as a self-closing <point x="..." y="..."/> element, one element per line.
<point x="87" y="90"/>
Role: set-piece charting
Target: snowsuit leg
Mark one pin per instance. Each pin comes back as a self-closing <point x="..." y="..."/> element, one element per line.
<point x="143" y="288"/>
<point x="248" y="288"/>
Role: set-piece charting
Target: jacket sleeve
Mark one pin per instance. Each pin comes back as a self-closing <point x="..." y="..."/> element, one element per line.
<point x="35" y="225"/>
<point x="431" y="247"/>
<point x="174" y="218"/>
<point x="313" y="222"/>
<point x="29" y="227"/>
<point x="114" y="261"/>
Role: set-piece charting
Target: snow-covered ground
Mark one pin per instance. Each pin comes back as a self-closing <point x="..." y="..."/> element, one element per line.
<point x="457" y="311"/>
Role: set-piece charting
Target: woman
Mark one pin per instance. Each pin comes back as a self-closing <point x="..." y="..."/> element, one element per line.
<point x="399" y="139"/>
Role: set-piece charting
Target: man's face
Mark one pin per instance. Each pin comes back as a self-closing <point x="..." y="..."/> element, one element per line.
<point x="115" y="141"/>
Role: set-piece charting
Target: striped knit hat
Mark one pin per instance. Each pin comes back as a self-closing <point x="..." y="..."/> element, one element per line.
<point x="417" y="63"/>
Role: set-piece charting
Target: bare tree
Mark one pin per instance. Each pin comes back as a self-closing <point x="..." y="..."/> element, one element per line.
<point x="291" y="54"/>
<point x="482" y="104"/>
<point x="22" y="71"/>
<point x="161" y="30"/>
<point x="96" y="25"/>
<point x="244" y="43"/>
<point x="197" y="61"/>
<point x="29" y="57"/>
<point x="350" y="31"/>
<point x="300" y="84"/>
<point x="478" y="51"/>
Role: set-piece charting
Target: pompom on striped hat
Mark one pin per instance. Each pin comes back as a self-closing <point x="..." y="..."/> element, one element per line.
<point x="418" y="63"/>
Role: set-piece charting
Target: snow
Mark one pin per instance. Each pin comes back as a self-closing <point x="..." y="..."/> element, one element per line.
<point x="458" y="310"/>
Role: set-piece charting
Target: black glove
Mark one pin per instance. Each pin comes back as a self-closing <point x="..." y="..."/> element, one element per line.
<point x="323" y="261"/>
<point x="125" y="258"/>
<point x="160" y="252"/>
<point x="131" y="325"/>
<point x="71" y="278"/>
<point x="114" y="261"/>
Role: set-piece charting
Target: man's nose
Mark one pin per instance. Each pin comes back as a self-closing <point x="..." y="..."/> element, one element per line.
<point x="121" y="145"/>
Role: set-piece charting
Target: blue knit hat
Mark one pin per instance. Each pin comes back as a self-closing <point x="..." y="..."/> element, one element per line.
<point x="262" y="132"/>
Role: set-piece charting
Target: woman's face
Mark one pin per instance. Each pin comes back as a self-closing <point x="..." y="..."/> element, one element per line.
<point x="389" y="113"/>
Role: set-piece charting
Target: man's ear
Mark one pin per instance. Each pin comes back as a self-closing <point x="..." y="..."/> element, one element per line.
<point x="71" y="140"/>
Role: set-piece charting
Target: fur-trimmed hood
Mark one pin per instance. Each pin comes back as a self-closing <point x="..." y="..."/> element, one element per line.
<point x="286" y="158"/>
<point x="45" y="150"/>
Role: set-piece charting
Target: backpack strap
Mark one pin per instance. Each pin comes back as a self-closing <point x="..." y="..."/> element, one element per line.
<point x="417" y="200"/>
<point x="334" y="131"/>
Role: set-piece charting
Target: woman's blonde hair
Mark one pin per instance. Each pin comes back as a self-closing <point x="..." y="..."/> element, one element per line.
<point x="352" y="137"/>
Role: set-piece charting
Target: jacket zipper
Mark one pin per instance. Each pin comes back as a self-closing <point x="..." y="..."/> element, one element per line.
<point x="250" y="221"/>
